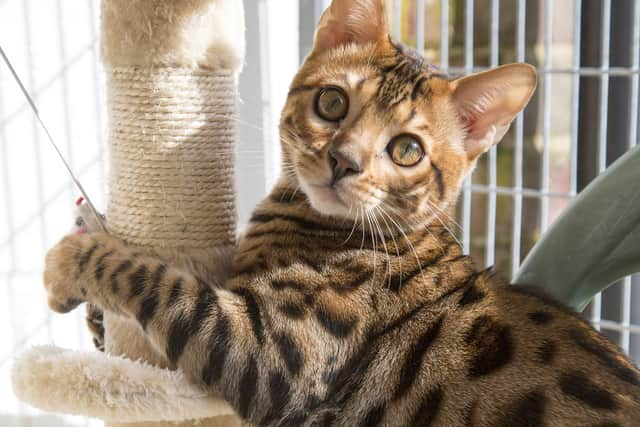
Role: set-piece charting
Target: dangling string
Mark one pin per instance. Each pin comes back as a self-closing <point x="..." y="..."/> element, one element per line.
<point x="55" y="146"/>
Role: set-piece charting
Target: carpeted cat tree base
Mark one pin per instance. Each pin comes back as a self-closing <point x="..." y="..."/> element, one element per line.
<point x="172" y="71"/>
<point x="110" y="388"/>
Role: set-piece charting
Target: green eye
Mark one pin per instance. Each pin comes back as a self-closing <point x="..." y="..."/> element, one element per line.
<point x="405" y="150"/>
<point x="332" y="104"/>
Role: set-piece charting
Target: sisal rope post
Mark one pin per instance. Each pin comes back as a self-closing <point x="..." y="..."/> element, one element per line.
<point x="172" y="149"/>
<point x="172" y="92"/>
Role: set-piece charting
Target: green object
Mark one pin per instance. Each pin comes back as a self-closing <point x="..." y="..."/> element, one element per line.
<point x="595" y="242"/>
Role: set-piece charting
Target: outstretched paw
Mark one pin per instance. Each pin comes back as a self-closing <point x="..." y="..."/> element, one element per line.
<point x="63" y="265"/>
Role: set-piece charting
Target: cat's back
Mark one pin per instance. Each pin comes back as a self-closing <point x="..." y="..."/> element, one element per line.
<point x="523" y="360"/>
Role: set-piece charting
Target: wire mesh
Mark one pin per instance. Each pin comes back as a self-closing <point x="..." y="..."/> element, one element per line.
<point x="521" y="186"/>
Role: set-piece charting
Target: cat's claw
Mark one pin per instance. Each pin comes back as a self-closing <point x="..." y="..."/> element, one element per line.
<point x="61" y="274"/>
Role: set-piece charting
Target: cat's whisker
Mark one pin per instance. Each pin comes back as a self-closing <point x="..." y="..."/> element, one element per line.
<point x="444" y="225"/>
<point x="288" y="169"/>
<point x="355" y="221"/>
<point x="288" y="173"/>
<point x="384" y="244"/>
<point x="416" y="224"/>
<point x="436" y="213"/>
<point x="293" y="195"/>
<point x="363" y="229"/>
<point x="297" y="143"/>
<point x="236" y="118"/>
<point x="375" y="246"/>
<point x="349" y="216"/>
<point x="395" y="243"/>
<point x="293" y="132"/>
<point x="431" y="205"/>
<point x="409" y="243"/>
<point x="448" y="217"/>
<point x="284" y="194"/>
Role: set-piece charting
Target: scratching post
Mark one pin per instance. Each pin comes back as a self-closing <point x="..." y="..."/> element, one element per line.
<point x="171" y="72"/>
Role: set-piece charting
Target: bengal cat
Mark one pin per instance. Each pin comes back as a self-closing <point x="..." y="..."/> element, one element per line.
<point x="351" y="304"/>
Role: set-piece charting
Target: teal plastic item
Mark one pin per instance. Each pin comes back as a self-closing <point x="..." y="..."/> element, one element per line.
<point x="595" y="242"/>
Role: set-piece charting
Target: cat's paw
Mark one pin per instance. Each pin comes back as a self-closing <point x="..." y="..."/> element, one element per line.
<point x="95" y="323"/>
<point x="63" y="266"/>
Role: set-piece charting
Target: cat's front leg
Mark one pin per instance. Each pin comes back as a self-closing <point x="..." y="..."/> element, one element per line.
<point x="76" y="270"/>
<point x="225" y="340"/>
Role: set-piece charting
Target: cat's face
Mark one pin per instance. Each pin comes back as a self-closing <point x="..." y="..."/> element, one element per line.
<point x="368" y="128"/>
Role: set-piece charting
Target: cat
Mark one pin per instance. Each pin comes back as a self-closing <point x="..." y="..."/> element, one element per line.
<point x="350" y="303"/>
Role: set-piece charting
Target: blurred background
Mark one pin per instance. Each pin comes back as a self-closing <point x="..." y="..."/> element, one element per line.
<point x="582" y="118"/>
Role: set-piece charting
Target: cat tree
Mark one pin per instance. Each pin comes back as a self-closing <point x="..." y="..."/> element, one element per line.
<point x="172" y="91"/>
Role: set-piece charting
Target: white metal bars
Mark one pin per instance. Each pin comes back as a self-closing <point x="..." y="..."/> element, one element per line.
<point x="548" y="192"/>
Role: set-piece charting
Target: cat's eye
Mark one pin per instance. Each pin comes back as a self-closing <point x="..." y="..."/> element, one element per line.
<point x="405" y="150"/>
<point x="332" y="104"/>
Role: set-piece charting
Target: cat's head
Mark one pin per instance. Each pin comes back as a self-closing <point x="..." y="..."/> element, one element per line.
<point x="368" y="126"/>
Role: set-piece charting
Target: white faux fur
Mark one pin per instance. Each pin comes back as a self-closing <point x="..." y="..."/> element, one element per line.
<point x="206" y="34"/>
<point x="107" y="387"/>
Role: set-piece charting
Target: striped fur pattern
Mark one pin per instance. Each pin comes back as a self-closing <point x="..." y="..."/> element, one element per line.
<point x="305" y="334"/>
<point x="350" y="302"/>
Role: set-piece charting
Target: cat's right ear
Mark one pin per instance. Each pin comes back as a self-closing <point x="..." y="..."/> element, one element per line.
<point x="351" y="22"/>
<point x="488" y="102"/>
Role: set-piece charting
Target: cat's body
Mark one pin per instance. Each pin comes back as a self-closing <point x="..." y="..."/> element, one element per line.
<point x="402" y="343"/>
<point x="311" y="336"/>
<point x="350" y="303"/>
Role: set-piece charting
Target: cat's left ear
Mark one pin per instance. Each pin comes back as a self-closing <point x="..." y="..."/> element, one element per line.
<point x="489" y="101"/>
<point x="351" y="22"/>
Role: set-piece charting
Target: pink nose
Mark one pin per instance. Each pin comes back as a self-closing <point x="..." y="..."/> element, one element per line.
<point x="342" y="165"/>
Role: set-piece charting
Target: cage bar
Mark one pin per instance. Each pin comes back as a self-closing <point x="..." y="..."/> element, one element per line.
<point x="466" y="193"/>
<point x="397" y="19"/>
<point x="493" y="152"/>
<point x="575" y="98"/>
<point x="516" y="231"/>
<point x="582" y="71"/>
<point x="444" y="35"/>
<point x="625" y="309"/>
<point x="420" y="10"/>
<point x="596" y="306"/>
<point x="546" y="113"/>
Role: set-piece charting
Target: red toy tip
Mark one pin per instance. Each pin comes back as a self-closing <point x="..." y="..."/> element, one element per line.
<point x="79" y="201"/>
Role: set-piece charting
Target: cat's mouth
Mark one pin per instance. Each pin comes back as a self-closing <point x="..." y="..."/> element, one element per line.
<point x="327" y="199"/>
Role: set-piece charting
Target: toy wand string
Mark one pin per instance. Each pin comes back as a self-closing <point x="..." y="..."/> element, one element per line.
<point x="55" y="146"/>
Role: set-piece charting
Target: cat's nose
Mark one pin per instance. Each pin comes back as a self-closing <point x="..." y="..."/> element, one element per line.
<point x="343" y="165"/>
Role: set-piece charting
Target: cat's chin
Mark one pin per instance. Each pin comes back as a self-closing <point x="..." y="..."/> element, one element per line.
<point x="327" y="201"/>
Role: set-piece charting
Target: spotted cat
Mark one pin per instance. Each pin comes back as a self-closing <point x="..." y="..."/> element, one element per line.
<point x="350" y="302"/>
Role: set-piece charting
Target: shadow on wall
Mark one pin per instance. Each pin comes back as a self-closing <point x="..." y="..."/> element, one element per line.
<point x="32" y="421"/>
